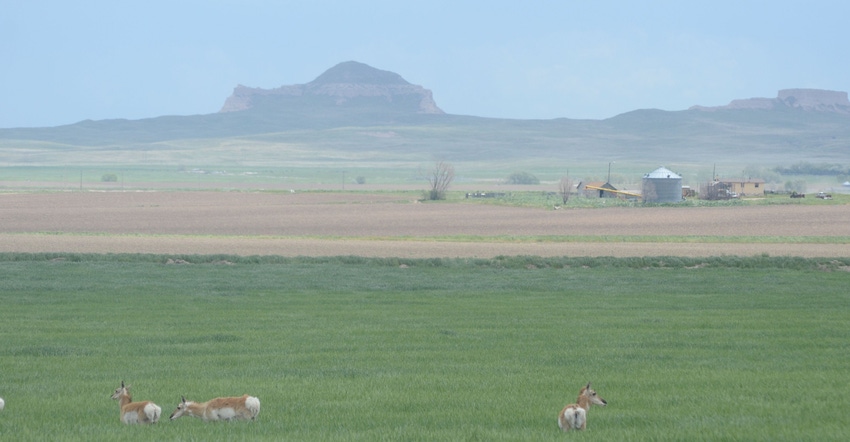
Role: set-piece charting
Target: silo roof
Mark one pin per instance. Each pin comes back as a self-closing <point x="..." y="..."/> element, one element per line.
<point x="662" y="172"/>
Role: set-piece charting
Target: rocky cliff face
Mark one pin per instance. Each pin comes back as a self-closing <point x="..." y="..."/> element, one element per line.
<point x="817" y="100"/>
<point x="344" y="82"/>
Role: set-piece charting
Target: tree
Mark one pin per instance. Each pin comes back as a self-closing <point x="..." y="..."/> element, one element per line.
<point x="798" y="186"/>
<point x="439" y="180"/>
<point x="565" y="186"/>
<point x="522" y="178"/>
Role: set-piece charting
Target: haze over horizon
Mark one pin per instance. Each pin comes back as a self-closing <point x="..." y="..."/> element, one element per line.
<point x="70" y="61"/>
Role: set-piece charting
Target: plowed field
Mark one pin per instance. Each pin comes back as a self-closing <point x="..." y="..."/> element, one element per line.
<point x="331" y="224"/>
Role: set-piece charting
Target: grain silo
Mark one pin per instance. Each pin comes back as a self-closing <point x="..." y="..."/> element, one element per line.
<point x="662" y="186"/>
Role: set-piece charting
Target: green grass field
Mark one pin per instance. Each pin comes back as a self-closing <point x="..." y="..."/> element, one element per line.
<point x="340" y="176"/>
<point x="379" y="349"/>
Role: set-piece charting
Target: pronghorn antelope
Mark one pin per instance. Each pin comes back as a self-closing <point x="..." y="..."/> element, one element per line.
<point x="145" y="412"/>
<point x="220" y="409"/>
<point x="574" y="416"/>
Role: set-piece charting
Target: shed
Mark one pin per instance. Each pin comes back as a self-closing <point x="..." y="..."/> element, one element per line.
<point x="598" y="189"/>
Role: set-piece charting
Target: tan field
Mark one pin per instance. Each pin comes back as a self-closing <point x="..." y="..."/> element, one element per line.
<point x="388" y="225"/>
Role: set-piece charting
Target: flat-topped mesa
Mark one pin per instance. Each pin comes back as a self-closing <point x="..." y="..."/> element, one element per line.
<point x="343" y="82"/>
<point x="817" y="100"/>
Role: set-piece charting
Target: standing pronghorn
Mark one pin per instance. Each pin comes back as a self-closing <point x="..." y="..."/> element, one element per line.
<point x="574" y="416"/>
<point x="145" y="412"/>
<point x="220" y="409"/>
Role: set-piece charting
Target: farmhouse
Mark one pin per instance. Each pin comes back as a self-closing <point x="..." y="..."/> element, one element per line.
<point x="744" y="187"/>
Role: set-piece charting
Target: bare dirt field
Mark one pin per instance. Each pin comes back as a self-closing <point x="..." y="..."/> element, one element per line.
<point x="388" y="225"/>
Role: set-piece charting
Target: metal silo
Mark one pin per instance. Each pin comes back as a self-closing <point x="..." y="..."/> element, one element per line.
<point x="662" y="186"/>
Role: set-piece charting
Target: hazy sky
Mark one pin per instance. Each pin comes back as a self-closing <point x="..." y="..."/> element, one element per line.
<point x="64" y="61"/>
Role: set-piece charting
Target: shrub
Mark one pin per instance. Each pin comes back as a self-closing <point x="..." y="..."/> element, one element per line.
<point x="522" y="178"/>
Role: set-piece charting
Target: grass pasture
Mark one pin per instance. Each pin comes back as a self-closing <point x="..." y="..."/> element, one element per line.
<point x="427" y="349"/>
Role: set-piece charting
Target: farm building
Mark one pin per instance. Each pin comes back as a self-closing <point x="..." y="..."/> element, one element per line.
<point x="662" y="186"/>
<point x="747" y="187"/>
<point x="597" y="189"/>
<point x="714" y="190"/>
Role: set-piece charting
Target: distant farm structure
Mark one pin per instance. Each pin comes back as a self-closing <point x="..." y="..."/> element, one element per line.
<point x="662" y="185"/>
<point x="722" y="189"/>
<point x="485" y="195"/>
<point x="745" y="187"/>
<point x="715" y="190"/>
<point x="659" y="186"/>
<point x="597" y="189"/>
<point x="605" y="190"/>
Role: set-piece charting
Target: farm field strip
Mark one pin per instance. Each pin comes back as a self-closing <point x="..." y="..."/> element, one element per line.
<point x="703" y="239"/>
<point x="389" y="224"/>
<point x="412" y="247"/>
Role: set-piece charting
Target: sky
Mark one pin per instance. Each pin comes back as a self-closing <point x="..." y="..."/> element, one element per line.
<point x="66" y="61"/>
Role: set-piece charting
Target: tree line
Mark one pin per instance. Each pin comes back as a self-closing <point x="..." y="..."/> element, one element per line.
<point x="806" y="168"/>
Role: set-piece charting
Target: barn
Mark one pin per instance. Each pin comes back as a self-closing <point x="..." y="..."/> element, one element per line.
<point x="662" y="186"/>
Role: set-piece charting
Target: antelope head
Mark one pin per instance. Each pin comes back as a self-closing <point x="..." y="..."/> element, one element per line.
<point x="121" y="391"/>
<point x="181" y="408"/>
<point x="591" y="395"/>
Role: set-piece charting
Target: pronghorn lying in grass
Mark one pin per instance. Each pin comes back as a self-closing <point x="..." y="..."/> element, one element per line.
<point x="574" y="416"/>
<point x="145" y="412"/>
<point x="220" y="409"/>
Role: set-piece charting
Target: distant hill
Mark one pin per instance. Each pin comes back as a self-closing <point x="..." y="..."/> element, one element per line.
<point x="355" y="113"/>
<point x="815" y="100"/>
<point x="346" y="84"/>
